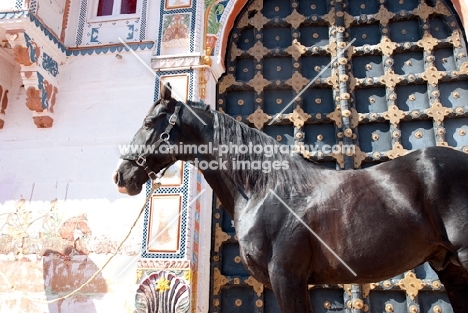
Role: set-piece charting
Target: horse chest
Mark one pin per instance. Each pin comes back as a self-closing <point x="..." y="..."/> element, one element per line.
<point x="249" y="228"/>
<point x="254" y="244"/>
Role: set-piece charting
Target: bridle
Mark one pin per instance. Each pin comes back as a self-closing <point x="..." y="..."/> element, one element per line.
<point x="140" y="159"/>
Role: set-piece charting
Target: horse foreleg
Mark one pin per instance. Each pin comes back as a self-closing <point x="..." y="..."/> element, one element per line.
<point x="290" y="291"/>
<point x="455" y="280"/>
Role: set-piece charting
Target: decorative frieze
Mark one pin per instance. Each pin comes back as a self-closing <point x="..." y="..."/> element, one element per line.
<point x="175" y="63"/>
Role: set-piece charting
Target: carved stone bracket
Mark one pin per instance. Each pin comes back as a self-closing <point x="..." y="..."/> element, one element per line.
<point x="39" y="69"/>
<point x="40" y="98"/>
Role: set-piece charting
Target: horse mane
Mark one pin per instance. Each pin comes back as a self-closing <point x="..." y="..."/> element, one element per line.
<point x="198" y="105"/>
<point x="229" y="131"/>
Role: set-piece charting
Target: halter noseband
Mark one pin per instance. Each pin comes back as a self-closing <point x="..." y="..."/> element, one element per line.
<point x="140" y="160"/>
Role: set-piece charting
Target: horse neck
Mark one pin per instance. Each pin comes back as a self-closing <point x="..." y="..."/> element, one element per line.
<point x="230" y="185"/>
<point x="202" y="135"/>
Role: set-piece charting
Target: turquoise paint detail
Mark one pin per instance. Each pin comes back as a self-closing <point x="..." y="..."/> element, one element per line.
<point x="49" y="64"/>
<point x="131" y="29"/>
<point x="94" y="34"/>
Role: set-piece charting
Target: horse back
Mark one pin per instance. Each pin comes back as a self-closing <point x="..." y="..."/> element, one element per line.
<point x="439" y="175"/>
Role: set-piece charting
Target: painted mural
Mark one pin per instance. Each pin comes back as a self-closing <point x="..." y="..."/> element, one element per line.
<point x="176" y="30"/>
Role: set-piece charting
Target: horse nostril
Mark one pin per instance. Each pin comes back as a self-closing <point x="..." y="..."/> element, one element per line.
<point x="116" y="177"/>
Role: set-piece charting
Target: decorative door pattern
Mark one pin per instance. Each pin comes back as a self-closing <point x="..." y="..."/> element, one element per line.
<point x="398" y="74"/>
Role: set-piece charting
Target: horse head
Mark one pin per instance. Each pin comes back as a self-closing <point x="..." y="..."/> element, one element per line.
<point x="151" y="149"/>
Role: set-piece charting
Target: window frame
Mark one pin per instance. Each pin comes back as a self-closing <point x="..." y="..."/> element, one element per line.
<point x="93" y="8"/>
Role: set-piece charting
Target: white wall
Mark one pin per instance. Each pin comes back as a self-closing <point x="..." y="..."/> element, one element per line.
<point x="101" y="102"/>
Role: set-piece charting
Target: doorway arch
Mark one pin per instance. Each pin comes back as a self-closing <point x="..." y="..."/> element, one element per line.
<point x="386" y="77"/>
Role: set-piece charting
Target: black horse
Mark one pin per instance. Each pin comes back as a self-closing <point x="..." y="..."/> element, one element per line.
<point x="299" y="223"/>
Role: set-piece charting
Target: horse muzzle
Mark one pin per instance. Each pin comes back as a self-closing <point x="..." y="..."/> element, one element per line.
<point x="116" y="179"/>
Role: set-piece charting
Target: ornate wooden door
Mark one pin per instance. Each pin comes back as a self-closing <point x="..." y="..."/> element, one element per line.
<point x="386" y="76"/>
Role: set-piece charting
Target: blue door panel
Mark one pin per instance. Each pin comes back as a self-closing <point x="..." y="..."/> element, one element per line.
<point x="410" y="62"/>
<point x="371" y="100"/>
<point x="318" y="100"/>
<point x="412" y="97"/>
<point x="401" y="85"/>
<point x="375" y="137"/>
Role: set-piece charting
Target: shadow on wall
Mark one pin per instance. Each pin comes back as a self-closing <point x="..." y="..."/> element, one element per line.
<point x="62" y="276"/>
<point x="67" y="267"/>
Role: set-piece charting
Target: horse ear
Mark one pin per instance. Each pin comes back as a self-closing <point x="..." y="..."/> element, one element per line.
<point x="153" y="106"/>
<point x="166" y="91"/>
